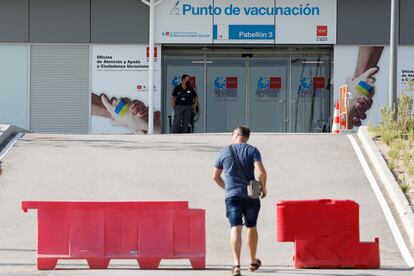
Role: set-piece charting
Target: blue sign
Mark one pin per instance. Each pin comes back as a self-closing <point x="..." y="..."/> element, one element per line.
<point x="248" y="32"/>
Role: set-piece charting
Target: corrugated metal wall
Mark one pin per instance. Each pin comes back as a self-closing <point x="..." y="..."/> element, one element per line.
<point x="59" y="88"/>
<point x="364" y="22"/>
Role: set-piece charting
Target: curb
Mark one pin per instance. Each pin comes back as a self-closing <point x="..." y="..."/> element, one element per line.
<point x="4" y="129"/>
<point x="392" y="188"/>
<point x="7" y="134"/>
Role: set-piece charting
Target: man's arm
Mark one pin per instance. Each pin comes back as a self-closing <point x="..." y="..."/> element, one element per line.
<point x="217" y="177"/>
<point x="262" y="175"/>
<point x="173" y="101"/>
<point x="195" y="102"/>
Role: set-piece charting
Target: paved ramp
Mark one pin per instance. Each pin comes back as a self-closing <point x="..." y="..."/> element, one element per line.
<point x="167" y="167"/>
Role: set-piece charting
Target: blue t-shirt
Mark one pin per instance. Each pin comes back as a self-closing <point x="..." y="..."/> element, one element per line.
<point x="235" y="185"/>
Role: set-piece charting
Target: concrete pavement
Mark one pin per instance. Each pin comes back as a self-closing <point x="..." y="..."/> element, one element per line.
<point x="129" y="167"/>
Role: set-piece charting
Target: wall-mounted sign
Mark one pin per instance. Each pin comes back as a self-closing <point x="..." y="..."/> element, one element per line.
<point x="306" y="22"/>
<point x="184" y="21"/>
<point x="268" y="86"/>
<point x="239" y="21"/>
<point x="246" y="21"/>
<point x="225" y="86"/>
<point x="318" y="82"/>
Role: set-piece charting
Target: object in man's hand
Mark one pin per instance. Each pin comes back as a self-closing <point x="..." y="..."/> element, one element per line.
<point x="365" y="88"/>
<point x="363" y="85"/>
<point x="122" y="108"/>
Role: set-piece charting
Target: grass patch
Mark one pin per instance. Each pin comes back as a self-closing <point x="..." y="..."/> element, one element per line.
<point x="406" y="158"/>
<point x="397" y="132"/>
<point x="411" y="170"/>
<point x="410" y="138"/>
<point x="404" y="187"/>
<point x="398" y="144"/>
<point x="405" y="109"/>
<point x="391" y="165"/>
<point x="387" y="136"/>
<point x="394" y="153"/>
<point x="374" y="130"/>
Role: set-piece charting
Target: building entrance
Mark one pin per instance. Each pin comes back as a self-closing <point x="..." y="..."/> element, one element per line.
<point x="269" y="92"/>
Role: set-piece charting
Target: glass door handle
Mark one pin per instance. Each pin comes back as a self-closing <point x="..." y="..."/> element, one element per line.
<point x="201" y="61"/>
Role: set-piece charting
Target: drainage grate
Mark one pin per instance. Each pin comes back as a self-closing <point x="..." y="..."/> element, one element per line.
<point x="175" y="266"/>
<point x="162" y="266"/>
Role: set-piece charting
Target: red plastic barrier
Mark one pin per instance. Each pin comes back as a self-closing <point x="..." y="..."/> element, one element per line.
<point x="101" y="231"/>
<point x="326" y="234"/>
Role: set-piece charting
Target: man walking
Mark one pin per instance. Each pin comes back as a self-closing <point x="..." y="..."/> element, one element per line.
<point x="239" y="206"/>
<point x="183" y="100"/>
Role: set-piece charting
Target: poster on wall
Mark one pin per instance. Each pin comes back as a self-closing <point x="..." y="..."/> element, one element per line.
<point x="119" y="95"/>
<point x="358" y="66"/>
<point x="246" y="21"/>
<point x="406" y="70"/>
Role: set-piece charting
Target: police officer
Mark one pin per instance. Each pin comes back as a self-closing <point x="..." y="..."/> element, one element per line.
<point x="184" y="100"/>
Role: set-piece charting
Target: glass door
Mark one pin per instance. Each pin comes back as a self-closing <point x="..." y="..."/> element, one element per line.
<point x="268" y="88"/>
<point x="310" y="93"/>
<point x="268" y="92"/>
<point x="175" y="67"/>
<point x="226" y="93"/>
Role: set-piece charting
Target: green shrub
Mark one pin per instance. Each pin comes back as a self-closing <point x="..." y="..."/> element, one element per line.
<point x="406" y="158"/>
<point x="411" y="130"/>
<point x="411" y="170"/>
<point x="401" y="123"/>
<point x="387" y="136"/>
<point x="394" y="153"/>
<point x="388" y="117"/>
<point x="391" y="165"/>
<point x="405" y="108"/>
<point x="374" y="130"/>
<point x="398" y="144"/>
<point x="404" y="187"/>
<point x="388" y="125"/>
<point x="410" y="137"/>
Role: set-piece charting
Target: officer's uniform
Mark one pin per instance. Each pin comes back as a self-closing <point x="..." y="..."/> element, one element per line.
<point x="184" y="99"/>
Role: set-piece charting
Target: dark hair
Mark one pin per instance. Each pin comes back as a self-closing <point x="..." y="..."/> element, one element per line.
<point x="184" y="76"/>
<point x="243" y="131"/>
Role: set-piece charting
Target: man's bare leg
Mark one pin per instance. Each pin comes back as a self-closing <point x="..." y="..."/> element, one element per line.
<point x="236" y="243"/>
<point x="252" y="240"/>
